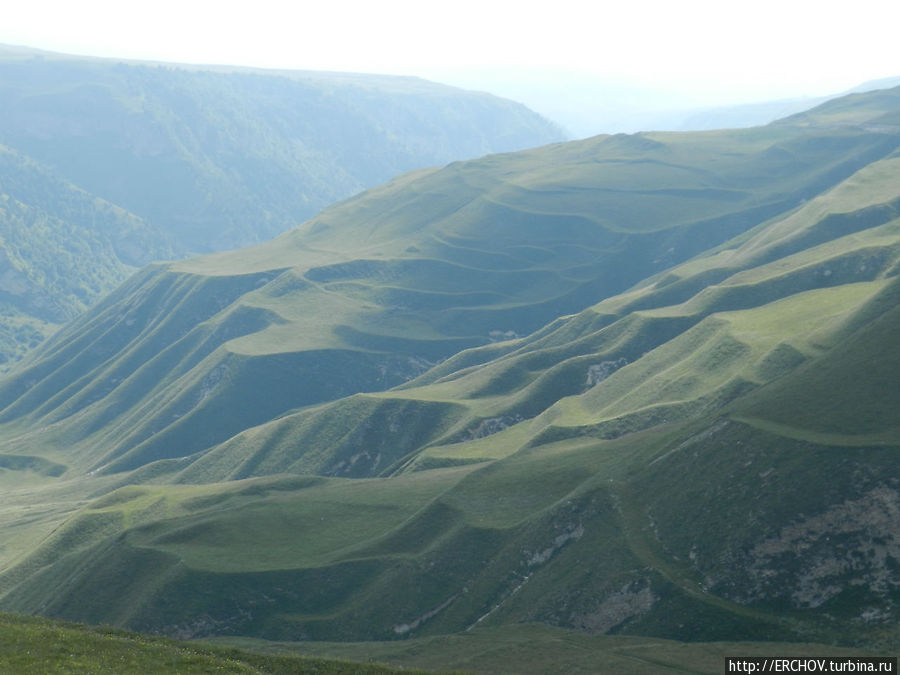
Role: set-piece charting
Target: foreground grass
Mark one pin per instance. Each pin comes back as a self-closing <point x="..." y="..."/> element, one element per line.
<point x="36" y="645"/>
<point x="530" y="649"/>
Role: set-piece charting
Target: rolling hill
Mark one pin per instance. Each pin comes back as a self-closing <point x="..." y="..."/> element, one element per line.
<point x="42" y="647"/>
<point x="635" y="385"/>
<point x="106" y="166"/>
<point x="376" y="289"/>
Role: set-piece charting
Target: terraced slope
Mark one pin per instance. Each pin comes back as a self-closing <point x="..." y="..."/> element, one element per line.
<point x="108" y="166"/>
<point x="707" y="454"/>
<point x="725" y="525"/>
<point x="375" y="290"/>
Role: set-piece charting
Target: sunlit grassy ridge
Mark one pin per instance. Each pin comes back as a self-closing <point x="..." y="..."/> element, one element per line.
<point x="106" y="166"/>
<point x="709" y="454"/>
<point x="375" y="290"/>
<point x="773" y="308"/>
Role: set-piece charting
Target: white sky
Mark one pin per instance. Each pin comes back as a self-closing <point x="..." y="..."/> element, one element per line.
<point x="747" y="50"/>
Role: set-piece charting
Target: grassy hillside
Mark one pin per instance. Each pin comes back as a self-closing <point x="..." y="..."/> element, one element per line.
<point x="375" y="290"/>
<point x="532" y="648"/>
<point x="33" y="645"/>
<point x="217" y="158"/>
<point x="704" y="451"/>
<point x="42" y="646"/>
<point x="698" y="520"/>
<point x="107" y="166"/>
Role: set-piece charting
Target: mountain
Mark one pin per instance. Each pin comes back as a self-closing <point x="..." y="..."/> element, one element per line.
<point x="750" y="114"/>
<point x="374" y="290"/>
<point x="586" y="104"/>
<point x="745" y="115"/>
<point x="111" y="165"/>
<point x="217" y="158"/>
<point x="642" y="385"/>
<point x="221" y="158"/>
<point x="62" y="249"/>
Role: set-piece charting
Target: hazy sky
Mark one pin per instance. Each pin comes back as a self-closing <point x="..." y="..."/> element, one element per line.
<point x="742" y="50"/>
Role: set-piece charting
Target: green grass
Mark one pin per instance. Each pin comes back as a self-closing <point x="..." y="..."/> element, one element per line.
<point x="374" y="290"/>
<point x="851" y="385"/>
<point x="854" y="109"/>
<point x="490" y="544"/>
<point x="531" y="648"/>
<point x="516" y="539"/>
<point x="34" y="645"/>
<point x="707" y="456"/>
<point x="135" y="163"/>
<point x="326" y="523"/>
<point x="714" y="353"/>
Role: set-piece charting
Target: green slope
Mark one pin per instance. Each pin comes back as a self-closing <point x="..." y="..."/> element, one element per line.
<point x="108" y="165"/>
<point x="629" y="363"/>
<point x="376" y="289"/>
<point x="699" y="526"/>
<point x="218" y="158"/>
<point x="532" y="648"/>
<point x="690" y="531"/>
<point x="706" y="451"/>
<point x="42" y="647"/>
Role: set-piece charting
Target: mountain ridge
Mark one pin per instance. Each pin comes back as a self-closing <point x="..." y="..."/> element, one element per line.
<point x="702" y="450"/>
<point x="195" y="160"/>
<point x="218" y="158"/>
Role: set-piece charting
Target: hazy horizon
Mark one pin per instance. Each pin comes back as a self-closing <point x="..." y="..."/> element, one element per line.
<point x="558" y="60"/>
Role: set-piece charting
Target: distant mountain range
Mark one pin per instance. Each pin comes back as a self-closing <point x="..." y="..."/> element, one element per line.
<point x="586" y="104"/>
<point x="753" y="114"/>
<point x="634" y="385"/>
<point x="114" y="164"/>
